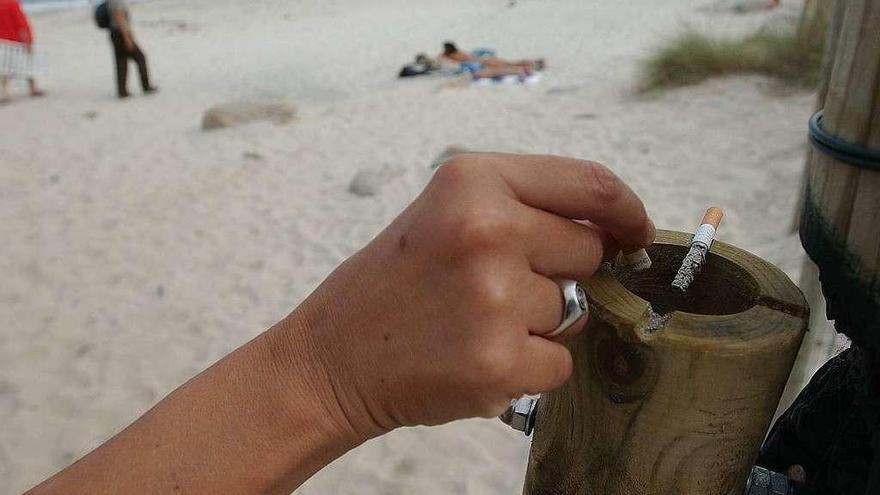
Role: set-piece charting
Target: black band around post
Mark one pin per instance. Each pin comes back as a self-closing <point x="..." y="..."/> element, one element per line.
<point x="849" y="153"/>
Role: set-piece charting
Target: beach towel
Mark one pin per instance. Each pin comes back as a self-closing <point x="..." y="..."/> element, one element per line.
<point x="483" y="52"/>
<point x="510" y="80"/>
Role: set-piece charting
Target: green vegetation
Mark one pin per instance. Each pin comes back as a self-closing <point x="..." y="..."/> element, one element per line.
<point x="693" y="57"/>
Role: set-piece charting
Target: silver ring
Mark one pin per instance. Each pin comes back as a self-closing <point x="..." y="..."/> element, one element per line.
<point x="575" y="306"/>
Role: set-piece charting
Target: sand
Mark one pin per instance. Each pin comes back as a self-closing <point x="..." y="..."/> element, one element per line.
<point x="137" y="249"/>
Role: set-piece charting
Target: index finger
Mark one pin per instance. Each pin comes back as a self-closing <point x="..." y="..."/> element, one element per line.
<point x="579" y="190"/>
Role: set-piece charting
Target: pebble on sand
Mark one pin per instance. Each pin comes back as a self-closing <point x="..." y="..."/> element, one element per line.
<point x="369" y="181"/>
<point x="245" y="112"/>
<point x="252" y="155"/>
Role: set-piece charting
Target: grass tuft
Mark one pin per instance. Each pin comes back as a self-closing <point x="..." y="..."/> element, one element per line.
<point x="693" y="57"/>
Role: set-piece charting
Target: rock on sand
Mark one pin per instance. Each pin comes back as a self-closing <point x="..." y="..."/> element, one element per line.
<point x="244" y="112"/>
<point x="368" y="181"/>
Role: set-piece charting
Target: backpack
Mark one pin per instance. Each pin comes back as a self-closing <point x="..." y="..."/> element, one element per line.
<point x="412" y="70"/>
<point x="102" y="15"/>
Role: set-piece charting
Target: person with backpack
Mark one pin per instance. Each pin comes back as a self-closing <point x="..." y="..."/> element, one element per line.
<point x="114" y="15"/>
<point x="16" y="39"/>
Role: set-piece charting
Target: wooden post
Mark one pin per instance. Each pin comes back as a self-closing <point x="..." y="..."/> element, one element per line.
<point x="821" y="341"/>
<point x="815" y="17"/>
<point x="840" y="224"/>
<point x="677" y="411"/>
<point x="832" y="10"/>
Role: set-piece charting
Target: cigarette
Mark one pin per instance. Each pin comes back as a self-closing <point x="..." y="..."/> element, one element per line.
<point x="638" y="261"/>
<point x="708" y="227"/>
<point x="700" y="245"/>
<point x="713" y="216"/>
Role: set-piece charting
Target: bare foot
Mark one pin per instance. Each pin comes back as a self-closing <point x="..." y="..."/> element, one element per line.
<point x="37" y="93"/>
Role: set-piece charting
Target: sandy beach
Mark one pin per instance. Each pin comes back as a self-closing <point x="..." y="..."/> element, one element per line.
<point x="137" y="249"/>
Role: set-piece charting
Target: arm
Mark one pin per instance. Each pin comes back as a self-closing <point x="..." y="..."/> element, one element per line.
<point x="427" y="324"/>
<point x="255" y="422"/>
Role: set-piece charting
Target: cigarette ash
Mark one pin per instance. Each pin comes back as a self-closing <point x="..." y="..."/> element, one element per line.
<point x="656" y="321"/>
<point x="658" y="316"/>
<point x="690" y="267"/>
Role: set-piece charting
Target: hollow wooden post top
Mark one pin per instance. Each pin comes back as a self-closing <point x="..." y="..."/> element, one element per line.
<point x="738" y="299"/>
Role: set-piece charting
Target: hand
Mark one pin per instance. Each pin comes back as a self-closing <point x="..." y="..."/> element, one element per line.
<point x="129" y="43"/>
<point x="441" y="316"/>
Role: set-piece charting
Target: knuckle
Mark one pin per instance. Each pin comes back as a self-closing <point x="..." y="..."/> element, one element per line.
<point x="463" y="159"/>
<point x="456" y="168"/>
<point x="601" y="182"/>
<point x="481" y="228"/>
<point x="450" y="175"/>
<point x="492" y="294"/>
<point x="494" y="362"/>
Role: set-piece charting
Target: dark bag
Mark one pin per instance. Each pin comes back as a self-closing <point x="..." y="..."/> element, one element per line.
<point x="102" y="15"/>
<point x="413" y="70"/>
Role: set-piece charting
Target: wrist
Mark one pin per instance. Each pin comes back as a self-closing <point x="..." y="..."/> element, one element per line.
<point x="287" y="405"/>
<point x="311" y="381"/>
<point x="314" y="344"/>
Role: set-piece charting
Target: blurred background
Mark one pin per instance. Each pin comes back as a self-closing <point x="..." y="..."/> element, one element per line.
<point x="138" y="247"/>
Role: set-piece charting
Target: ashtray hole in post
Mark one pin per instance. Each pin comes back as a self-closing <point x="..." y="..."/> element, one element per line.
<point x="722" y="288"/>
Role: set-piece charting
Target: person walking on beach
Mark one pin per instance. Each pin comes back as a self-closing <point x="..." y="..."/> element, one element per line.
<point x="124" y="47"/>
<point x="16" y="30"/>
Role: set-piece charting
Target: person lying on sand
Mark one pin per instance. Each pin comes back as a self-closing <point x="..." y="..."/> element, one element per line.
<point x="481" y="65"/>
<point x="427" y="324"/>
<point x="489" y="61"/>
<point x="426" y="65"/>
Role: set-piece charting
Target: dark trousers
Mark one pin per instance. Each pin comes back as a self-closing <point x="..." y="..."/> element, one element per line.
<point x="122" y="55"/>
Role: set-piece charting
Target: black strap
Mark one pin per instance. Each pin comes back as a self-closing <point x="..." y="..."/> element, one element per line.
<point x="853" y="154"/>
